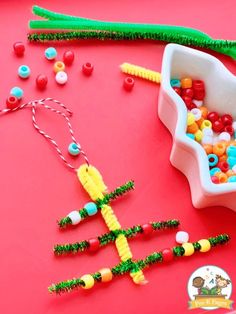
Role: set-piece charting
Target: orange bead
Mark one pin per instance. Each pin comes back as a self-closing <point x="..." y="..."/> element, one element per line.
<point x="219" y="149"/>
<point x="106" y="274"/>
<point x="223" y="157"/>
<point x="222" y="177"/>
<point x="230" y="173"/>
<point x="186" y="82"/>
<point x="199" y="122"/>
<point x="232" y="143"/>
<point x="193" y="128"/>
<point x="204" y="111"/>
<point x="208" y="148"/>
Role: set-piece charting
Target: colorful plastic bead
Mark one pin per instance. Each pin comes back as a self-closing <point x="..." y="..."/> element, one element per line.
<point x="218" y="126"/>
<point x="198" y="103"/>
<point x="12" y="102"/>
<point x="188" y="248"/>
<point x="198" y="89"/>
<point x="186" y="82"/>
<point x="206" y="124"/>
<point x="198" y="135"/>
<point x="68" y="57"/>
<point x="24" y="71"/>
<point x="197" y="113"/>
<point x="229" y="129"/>
<point x="223" y="157"/>
<point x="175" y="83"/>
<point x="94" y="244"/>
<point x="224" y="136"/>
<point x="88" y="280"/>
<point x="17" y="91"/>
<point x="231" y="161"/>
<point x="219" y="149"/>
<point x="206" y="139"/>
<point x="91" y="208"/>
<point x="213" y="116"/>
<point x="19" y="48"/>
<point x="190" y="135"/>
<point x="227" y="119"/>
<point x="167" y="255"/>
<point x="215" y="180"/>
<point x="213" y="171"/>
<point x="208" y="148"/>
<point x="188" y="101"/>
<point x="207" y="132"/>
<point x="50" y="53"/>
<point x="234" y="169"/>
<point x="232" y="179"/>
<point x="87" y="69"/>
<point x="75" y="217"/>
<point x="223" y="165"/>
<point x="205" y="245"/>
<point x="182" y="237"/>
<point x="106" y="274"/>
<point x="187" y="92"/>
<point x="212" y="159"/>
<point x="231" y="173"/>
<point x="190" y="118"/>
<point x="222" y="177"/>
<point x="193" y="128"/>
<point x="58" y="66"/>
<point x="128" y="83"/>
<point x="147" y="228"/>
<point x="61" y="77"/>
<point x="41" y="81"/>
<point x="74" y="149"/>
<point x="177" y="90"/>
<point x="204" y="111"/>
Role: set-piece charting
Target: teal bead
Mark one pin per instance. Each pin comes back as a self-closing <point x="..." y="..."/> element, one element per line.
<point x="50" y="53"/>
<point x="24" y="71"/>
<point x="231" y="161"/>
<point x="91" y="208"/>
<point x="232" y="179"/>
<point x="17" y="92"/>
<point x="213" y="171"/>
<point x="175" y="83"/>
<point x="231" y="151"/>
<point x="73" y="149"/>
<point x="212" y="159"/>
<point x="190" y="135"/>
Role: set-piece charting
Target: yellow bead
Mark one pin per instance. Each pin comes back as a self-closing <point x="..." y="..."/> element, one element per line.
<point x="205" y="245"/>
<point x="198" y="135"/>
<point x="88" y="280"/>
<point x="59" y="66"/>
<point x="188" y="248"/>
<point x="190" y="118"/>
<point x="206" y="124"/>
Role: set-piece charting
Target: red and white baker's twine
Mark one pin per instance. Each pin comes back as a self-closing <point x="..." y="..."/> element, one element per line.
<point x="33" y="104"/>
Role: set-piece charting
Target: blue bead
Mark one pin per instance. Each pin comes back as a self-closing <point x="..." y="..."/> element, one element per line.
<point x="175" y="83"/>
<point x="190" y="135"/>
<point x="232" y="179"/>
<point x="17" y="92"/>
<point x="73" y="149"/>
<point x="50" y="53"/>
<point x="212" y="159"/>
<point x="24" y="71"/>
<point x="91" y="208"/>
<point x="231" y="161"/>
<point x="231" y="151"/>
<point x="213" y="171"/>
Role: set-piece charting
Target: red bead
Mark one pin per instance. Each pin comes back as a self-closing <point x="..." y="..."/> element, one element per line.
<point x="94" y="244"/>
<point x="167" y="255"/>
<point x="223" y="165"/>
<point x="213" y="116"/>
<point x="147" y="229"/>
<point x="229" y="129"/>
<point x="128" y="83"/>
<point x="41" y="81"/>
<point x="19" y="48"/>
<point x="198" y="89"/>
<point x="187" y="92"/>
<point x="215" y="179"/>
<point x="187" y="100"/>
<point x="87" y="68"/>
<point x="12" y="102"/>
<point x="218" y="126"/>
<point x="227" y="119"/>
<point x="68" y="57"/>
<point x="191" y="106"/>
<point x="177" y="90"/>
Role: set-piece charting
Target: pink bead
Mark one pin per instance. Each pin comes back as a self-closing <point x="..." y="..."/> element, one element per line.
<point x="147" y="229"/>
<point x="41" y="81"/>
<point x="128" y="83"/>
<point x="68" y="57"/>
<point x="215" y="179"/>
<point x="87" y="68"/>
<point x="19" y="48"/>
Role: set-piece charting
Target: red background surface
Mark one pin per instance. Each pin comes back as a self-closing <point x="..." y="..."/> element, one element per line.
<point x="124" y="138"/>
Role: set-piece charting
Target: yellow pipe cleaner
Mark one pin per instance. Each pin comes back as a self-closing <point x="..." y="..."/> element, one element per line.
<point x="141" y="72"/>
<point x="92" y="181"/>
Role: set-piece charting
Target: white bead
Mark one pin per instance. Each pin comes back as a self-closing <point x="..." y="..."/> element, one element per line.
<point x="206" y="139"/>
<point x="61" y="77"/>
<point x="234" y="168"/>
<point x="207" y="132"/>
<point x="198" y="103"/>
<point x="182" y="237"/>
<point x="75" y="217"/>
<point x="224" y="136"/>
<point x="234" y="125"/>
<point x="197" y="113"/>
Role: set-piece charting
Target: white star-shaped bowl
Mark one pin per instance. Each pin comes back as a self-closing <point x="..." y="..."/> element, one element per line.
<point x="187" y="155"/>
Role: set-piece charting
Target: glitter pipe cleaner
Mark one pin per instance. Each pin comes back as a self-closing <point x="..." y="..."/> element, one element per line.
<point x="107" y="198"/>
<point x="106" y="274"/>
<point x="111" y="236"/>
<point x="89" y="177"/>
<point x="175" y="34"/>
<point x="141" y="72"/>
